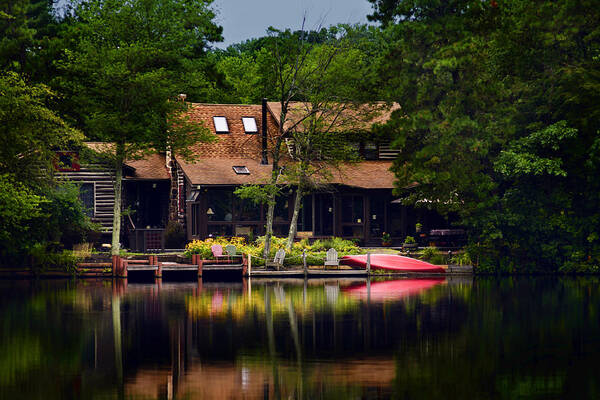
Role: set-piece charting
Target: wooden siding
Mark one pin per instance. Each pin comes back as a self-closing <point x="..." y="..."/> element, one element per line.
<point x="104" y="193"/>
<point x="386" y="152"/>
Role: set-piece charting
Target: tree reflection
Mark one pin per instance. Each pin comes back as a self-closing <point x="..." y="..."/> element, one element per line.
<point x="492" y="338"/>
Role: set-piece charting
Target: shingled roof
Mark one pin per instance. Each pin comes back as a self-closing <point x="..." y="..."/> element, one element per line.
<point x="151" y="167"/>
<point x="215" y="161"/>
<point x="347" y="116"/>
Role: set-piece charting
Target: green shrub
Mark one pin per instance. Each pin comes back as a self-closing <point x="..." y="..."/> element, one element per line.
<point x="429" y="252"/>
<point x="461" y="259"/>
<point x="438" y="259"/>
<point x="409" y="240"/>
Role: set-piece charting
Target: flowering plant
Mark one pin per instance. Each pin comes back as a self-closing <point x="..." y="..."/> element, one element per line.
<point x="386" y="237"/>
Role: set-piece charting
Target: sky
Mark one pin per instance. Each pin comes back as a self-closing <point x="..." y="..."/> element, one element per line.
<point x="246" y="19"/>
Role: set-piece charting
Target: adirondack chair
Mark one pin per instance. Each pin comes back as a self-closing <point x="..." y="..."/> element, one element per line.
<point x="231" y="250"/>
<point x="232" y="253"/>
<point x="277" y="261"/>
<point x="332" y="258"/>
<point x="217" y="251"/>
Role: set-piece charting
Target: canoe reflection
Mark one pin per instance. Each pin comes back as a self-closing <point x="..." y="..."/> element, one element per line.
<point x="391" y="290"/>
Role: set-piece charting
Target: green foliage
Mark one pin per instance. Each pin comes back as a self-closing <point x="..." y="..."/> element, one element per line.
<point x="39" y="225"/>
<point x="499" y="123"/>
<point x="462" y="258"/>
<point x="429" y="253"/>
<point x="29" y="131"/>
<point x="409" y="240"/>
<point x="126" y="64"/>
<point x="66" y="221"/>
<point x="20" y="209"/>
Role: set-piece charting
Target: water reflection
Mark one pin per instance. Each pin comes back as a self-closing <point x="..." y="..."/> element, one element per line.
<point x="417" y="338"/>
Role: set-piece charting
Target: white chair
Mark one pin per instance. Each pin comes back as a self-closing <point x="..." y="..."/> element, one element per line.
<point x="277" y="261"/>
<point x="332" y="258"/>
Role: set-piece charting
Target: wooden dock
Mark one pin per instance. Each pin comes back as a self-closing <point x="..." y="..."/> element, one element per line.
<point x="99" y="266"/>
<point x="122" y="266"/>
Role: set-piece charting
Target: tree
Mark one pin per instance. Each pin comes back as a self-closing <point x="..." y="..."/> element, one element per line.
<point x="320" y="144"/>
<point x="16" y="34"/>
<point x="30" y="132"/>
<point x="291" y="73"/>
<point x="125" y="70"/>
<point x="34" y="211"/>
<point x="498" y="123"/>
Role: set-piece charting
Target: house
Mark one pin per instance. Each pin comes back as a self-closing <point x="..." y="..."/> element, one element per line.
<point x="355" y="203"/>
<point x="146" y="194"/>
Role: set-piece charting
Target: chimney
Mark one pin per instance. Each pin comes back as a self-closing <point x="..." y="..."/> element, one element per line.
<point x="264" y="160"/>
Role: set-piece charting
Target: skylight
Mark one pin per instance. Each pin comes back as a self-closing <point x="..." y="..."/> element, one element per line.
<point x="221" y="125"/>
<point x="241" y="170"/>
<point x="250" y="125"/>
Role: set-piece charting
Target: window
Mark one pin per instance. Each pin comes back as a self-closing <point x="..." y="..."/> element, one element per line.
<point x="241" y="170"/>
<point x="245" y="210"/>
<point x="220" y="205"/>
<point x="371" y="151"/>
<point x="376" y="216"/>
<point x="193" y="196"/>
<point x="86" y="195"/>
<point x="195" y="219"/>
<point x="221" y="125"/>
<point x="249" y="125"/>
<point x="352" y="209"/>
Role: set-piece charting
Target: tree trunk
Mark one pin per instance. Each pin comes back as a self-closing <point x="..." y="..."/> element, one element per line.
<point x="269" y="227"/>
<point x="294" y="223"/>
<point x="118" y="186"/>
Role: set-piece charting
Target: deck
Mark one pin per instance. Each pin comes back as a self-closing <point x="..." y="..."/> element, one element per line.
<point x="120" y="267"/>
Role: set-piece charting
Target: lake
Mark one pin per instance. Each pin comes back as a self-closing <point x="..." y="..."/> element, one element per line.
<point x="447" y="338"/>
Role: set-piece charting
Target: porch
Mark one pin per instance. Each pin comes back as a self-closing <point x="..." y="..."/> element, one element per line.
<point x="356" y="214"/>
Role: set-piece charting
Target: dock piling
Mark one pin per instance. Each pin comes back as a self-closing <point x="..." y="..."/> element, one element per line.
<point x="304" y="264"/>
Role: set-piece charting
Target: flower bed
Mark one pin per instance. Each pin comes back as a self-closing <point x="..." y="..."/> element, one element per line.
<point x="315" y="252"/>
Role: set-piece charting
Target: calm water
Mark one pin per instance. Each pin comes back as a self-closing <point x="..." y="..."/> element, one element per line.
<point x="536" y="338"/>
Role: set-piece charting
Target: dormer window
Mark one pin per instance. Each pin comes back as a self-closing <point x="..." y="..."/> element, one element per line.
<point x="250" y="125"/>
<point x="221" y="125"/>
<point x="241" y="170"/>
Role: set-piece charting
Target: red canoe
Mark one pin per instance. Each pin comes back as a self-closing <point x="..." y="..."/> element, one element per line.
<point x="392" y="290"/>
<point x="391" y="262"/>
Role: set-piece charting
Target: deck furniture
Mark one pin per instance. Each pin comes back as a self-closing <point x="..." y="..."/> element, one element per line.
<point x="332" y="258"/>
<point x="217" y="251"/>
<point x="231" y="250"/>
<point x="232" y="253"/>
<point x="277" y="261"/>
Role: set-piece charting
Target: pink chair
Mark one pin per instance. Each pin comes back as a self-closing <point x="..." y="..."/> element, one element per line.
<point x="217" y="251"/>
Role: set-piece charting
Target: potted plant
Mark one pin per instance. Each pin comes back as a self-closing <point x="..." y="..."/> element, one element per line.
<point x="386" y="239"/>
<point x="409" y="243"/>
<point x="418" y="227"/>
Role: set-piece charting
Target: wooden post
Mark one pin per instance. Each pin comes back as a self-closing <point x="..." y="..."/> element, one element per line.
<point x="368" y="263"/>
<point x="123" y="268"/>
<point x="199" y="264"/>
<point x="244" y="266"/>
<point x="304" y="264"/>
<point x="158" y="272"/>
<point x="115" y="265"/>
<point x="249" y="264"/>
